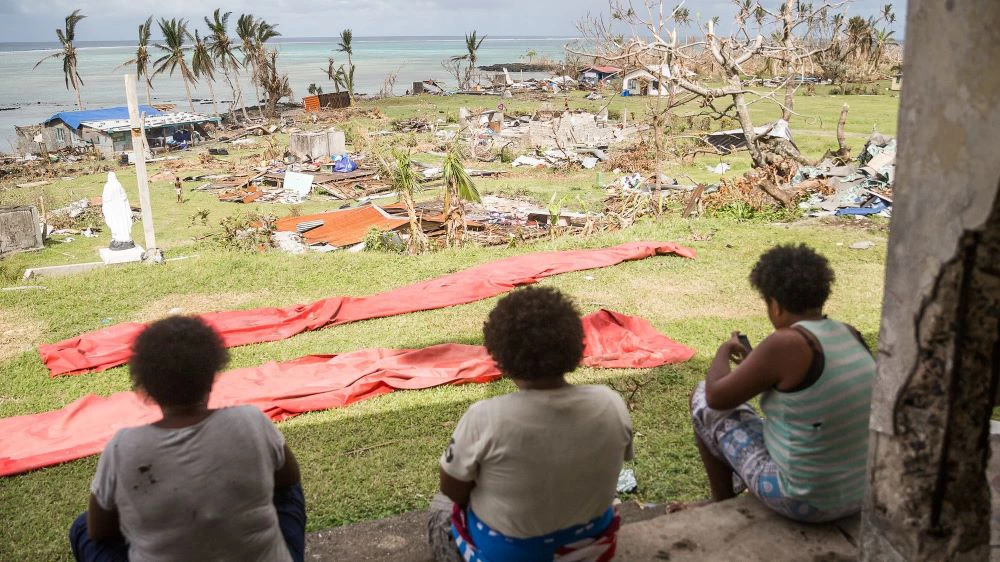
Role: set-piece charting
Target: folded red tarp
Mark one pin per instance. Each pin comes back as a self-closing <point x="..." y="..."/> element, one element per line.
<point x="110" y="347"/>
<point x="313" y="382"/>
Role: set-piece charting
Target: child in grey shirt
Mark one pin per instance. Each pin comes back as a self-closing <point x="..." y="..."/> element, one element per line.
<point x="201" y="483"/>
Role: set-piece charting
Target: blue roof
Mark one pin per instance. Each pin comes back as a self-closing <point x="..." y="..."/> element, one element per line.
<point x="74" y="118"/>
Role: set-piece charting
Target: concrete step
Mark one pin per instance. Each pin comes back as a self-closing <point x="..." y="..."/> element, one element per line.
<point x="741" y="529"/>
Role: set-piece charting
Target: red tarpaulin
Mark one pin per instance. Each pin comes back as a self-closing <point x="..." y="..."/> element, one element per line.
<point x="313" y="382"/>
<point x="110" y="347"/>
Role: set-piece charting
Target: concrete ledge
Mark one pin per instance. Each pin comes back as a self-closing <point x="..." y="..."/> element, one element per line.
<point x="737" y="530"/>
<point x="61" y="270"/>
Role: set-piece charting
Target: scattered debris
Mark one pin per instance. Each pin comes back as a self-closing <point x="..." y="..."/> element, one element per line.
<point x="342" y="228"/>
<point x="862" y="245"/>
<point x="627" y="484"/>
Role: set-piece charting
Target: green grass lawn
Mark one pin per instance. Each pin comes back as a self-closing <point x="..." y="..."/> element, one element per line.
<point x="697" y="302"/>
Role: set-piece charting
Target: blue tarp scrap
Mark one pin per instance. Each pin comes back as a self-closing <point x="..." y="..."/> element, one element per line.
<point x="75" y="118"/>
<point x="875" y="208"/>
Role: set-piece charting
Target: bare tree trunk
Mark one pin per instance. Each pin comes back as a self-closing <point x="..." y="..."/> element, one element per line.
<point x="76" y="87"/>
<point x="418" y="243"/>
<point x="149" y="94"/>
<point x="187" y="89"/>
<point x="843" y="150"/>
<point x="743" y="112"/>
<point x="211" y="91"/>
<point x="788" y="40"/>
<point x="454" y="216"/>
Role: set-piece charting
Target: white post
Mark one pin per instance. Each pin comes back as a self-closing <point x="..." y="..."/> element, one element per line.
<point x="139" y="151"/>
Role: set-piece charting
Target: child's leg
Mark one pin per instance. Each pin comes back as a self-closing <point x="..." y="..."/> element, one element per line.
<point x="87" y="550"/>
<point x="290" y="503"/>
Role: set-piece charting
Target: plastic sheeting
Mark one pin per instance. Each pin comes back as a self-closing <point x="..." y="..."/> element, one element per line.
<point x="314" y="382"/>
<point x="110" y="347"/>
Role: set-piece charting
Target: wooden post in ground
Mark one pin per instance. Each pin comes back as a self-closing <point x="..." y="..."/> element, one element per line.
<point x="139" y="151"/>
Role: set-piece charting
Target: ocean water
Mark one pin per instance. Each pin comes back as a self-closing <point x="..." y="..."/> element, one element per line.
<point x="28" y="95"/>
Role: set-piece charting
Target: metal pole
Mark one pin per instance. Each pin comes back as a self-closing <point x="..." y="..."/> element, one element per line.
<point x="139" y="151"/>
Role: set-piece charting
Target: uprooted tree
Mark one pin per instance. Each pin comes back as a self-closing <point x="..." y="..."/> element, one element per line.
<point x="760" y="38"/>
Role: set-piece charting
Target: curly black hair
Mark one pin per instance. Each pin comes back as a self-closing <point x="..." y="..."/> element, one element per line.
<point x="174" y="360"/>
<point x="796" y="277"/>
<point x="534" y="333"/>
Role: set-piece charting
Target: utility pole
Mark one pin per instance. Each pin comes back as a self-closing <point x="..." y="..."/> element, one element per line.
<point x="153" y="254"/>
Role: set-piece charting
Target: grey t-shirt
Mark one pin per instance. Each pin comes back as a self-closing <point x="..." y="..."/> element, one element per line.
<point x="203" y="492"/>
<point x="542" y="460"/>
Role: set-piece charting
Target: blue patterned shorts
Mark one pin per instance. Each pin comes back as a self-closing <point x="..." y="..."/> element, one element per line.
<point x="737" y="437"/>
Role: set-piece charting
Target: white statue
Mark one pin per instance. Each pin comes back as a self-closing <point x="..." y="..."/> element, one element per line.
<point x="117" y="214"/>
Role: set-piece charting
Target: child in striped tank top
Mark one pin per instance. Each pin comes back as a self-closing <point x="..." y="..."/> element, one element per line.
<point x="805" y="458"/>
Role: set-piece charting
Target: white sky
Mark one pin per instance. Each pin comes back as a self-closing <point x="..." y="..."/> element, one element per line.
<point x="36" y="20"/>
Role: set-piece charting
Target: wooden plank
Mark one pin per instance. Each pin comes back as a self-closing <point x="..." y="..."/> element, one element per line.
<point x="693" y="201"/>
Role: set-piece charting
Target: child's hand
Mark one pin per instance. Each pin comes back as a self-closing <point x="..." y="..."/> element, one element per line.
<point x="737" y="351"/>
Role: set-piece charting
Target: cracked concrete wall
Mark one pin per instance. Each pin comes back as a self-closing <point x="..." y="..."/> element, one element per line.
<point x="939" y="346"/>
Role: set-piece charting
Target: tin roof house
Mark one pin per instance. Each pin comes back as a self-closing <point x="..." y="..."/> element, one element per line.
<point x="108" y="130"/>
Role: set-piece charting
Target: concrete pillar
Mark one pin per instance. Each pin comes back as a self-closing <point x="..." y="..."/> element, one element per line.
<point x="939" y="346"/>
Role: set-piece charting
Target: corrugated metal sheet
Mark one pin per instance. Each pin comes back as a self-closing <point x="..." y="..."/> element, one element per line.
<point x="342" y="228"/>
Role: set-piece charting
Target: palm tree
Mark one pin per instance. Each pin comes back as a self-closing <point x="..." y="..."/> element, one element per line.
<point x="246" y="29"/>
<point x="458" y="187"/>
<point x="345" y="46"/>
<point x="174" y="33"/>
<point x="472" y="44"/>
<point x="203" y="66"/>
<point x="404" y="180"/>
<point x="68" y="54"/>
<point x="859" y="36"/>
<point x="141" y="60"/>
<point x="224" y="52"/>
<point x="530" y="55"/>
<point x="882" y="38"/>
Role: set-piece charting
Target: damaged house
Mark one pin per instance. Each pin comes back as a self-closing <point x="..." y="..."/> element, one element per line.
<point x="108" y="130"/>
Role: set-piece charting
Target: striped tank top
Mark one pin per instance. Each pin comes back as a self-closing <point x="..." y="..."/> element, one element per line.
<point x="818" y="436"/>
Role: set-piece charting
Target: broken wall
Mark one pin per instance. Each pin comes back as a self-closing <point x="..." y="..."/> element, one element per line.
<point x="939" y="346"/>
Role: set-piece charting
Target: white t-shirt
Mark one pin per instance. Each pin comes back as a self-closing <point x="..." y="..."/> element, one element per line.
<point x="203" y="492"/>
<point x="542" y="460"/>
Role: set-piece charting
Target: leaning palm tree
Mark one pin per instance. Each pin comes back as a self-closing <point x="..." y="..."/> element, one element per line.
<point x="405" y="182"/>
<point x="345" y="46"/>
<point x="458" y="187"/>
<point x="68" y="54"/>
<point x="174" y="33"/>
<point x="224" y="52"/>
<point x="203" y="66"/>
<point x="141" y="60"/>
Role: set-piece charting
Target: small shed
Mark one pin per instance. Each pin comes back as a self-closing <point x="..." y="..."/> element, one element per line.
<point x="595" y="74"/>
<point x="333" y="100"/>
<point x="646" y="81"/>
<point x="897" y="81"/>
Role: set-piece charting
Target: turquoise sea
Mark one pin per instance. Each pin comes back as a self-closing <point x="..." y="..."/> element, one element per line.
<point x="29" y="96"/>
